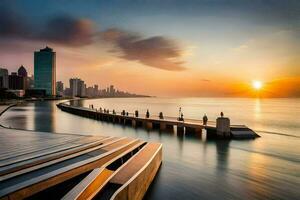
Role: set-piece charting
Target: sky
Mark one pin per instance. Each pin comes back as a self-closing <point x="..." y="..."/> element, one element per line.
<point x="190" y="48"/>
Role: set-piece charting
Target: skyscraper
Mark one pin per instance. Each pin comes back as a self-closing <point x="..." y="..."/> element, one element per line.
<point x="16" y="82"/>
<point x="59" y="88"/>
<point x="3" y="78"/>
<point x="45" y="70"/>
<point x="22" y="72"/>
<point x="77" y="87"/>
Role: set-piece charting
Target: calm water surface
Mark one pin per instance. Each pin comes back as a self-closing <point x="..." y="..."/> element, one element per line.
<point x="193" y="168"/>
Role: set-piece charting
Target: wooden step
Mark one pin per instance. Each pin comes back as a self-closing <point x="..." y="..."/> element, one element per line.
<point x="26" y="188"/>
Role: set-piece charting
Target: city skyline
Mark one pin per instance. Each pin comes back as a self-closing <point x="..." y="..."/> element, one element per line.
<point x="195" y="48"/>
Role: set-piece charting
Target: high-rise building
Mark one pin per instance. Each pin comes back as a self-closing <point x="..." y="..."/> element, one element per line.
<point x="3" y="78"/>
<point x="74" y="86"/>
<point x="59" y="88"/>
<point x="16" y="82"/>
<point x="22" y="71"/>
<point x="96" y="90"/>
<point x="77" y="87"/>
<point x="111" y="90"/>
<point x="45" y="70"/>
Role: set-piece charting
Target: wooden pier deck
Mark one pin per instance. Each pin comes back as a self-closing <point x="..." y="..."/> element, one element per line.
<point x="188" y="126"/>
<point x="40" y="165"/>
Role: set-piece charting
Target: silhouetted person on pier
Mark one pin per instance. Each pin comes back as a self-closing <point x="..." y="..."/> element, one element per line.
<point x="147" y="114"/>
<point x="123" y="112"/>
<point x="100" y="110"/>
<point x="161" y="116"/>
<point x="104" y="110"/>
<point x="136" y="113"/>
<point x="107" y="111"/>
<point x="205" y="119"/>
<point x="127" y="113"/>
<point x="180" y="115"/>
<point x="222" y="114"/>
<point x="114" y="112"/>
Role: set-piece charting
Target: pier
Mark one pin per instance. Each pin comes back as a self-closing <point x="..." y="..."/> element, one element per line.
<point x="40" y="165"/>
<point x="221" y="128"/>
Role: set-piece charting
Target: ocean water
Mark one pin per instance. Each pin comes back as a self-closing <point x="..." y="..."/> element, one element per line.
<point x="195" y="168"/>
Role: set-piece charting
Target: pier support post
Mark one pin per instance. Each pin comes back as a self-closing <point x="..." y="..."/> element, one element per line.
<point x="193" y="131"/>
<point x="180" y="129"/>
<point x="162" y="126"/>
<point x="133" y="123"/>
<point x="148" y="125"/>
<point x="169" y="127"/>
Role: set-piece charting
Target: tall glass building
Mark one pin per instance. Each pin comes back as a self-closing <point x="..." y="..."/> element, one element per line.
<point x="45" y="70"/>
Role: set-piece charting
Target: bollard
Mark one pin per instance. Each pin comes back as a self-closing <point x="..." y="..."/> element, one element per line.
<point x="223" y="127"/>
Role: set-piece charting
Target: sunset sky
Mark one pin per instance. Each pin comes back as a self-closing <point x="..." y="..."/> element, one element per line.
<point x="161" y="47"/>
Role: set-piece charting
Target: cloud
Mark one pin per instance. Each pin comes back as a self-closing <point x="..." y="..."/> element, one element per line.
<point x="62" y="29"/>
<point x="158" y="52"/>
<point x="69" y="30"/>
<point x="11" y="24"/>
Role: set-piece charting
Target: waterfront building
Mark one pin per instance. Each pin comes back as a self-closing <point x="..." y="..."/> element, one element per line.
<point x="16" y="82"/>
<point x="90" y="92"/>
<point x="22" y="71"/>
<point x="30" y="82"/>
<point x="3" y="78"/>
<point x="45" y="70"/>
<point x="111" y="90"/>
<point x="77" y="87"/>
<point x="59" y="88"/>
<point x="96" y="90"/>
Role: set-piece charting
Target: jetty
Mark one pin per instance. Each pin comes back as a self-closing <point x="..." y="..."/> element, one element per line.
<point x="41" y="165"/>
<point x="221" y="128"/>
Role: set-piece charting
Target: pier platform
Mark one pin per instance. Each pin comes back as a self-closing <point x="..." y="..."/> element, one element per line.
<point x="188" y="126"/>
<point x="40" y="165"/>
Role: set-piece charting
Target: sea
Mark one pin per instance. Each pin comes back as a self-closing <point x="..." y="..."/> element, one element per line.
<point x="267" y="167"/>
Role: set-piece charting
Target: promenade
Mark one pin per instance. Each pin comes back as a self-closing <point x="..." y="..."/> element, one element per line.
<point x="40" y="165"/>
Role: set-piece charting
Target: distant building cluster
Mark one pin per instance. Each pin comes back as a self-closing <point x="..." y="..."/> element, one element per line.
<point x="78" y="88"/>
<point x="43" y="83"/>
<point x="16" y="82"/>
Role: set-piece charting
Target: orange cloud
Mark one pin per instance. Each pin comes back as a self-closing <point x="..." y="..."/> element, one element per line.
<point x="158" y="52"/>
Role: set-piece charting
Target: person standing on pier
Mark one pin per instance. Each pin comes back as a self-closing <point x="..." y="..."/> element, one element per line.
<point x="205" y="119"/>
<point x="161" y="116"/>
<point x="147" y="114"/>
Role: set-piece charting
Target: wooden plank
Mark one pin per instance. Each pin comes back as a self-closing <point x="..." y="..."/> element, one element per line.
<point x="38" y="153"/>
<point x="88" y="185"/>
<point x="135" y="163"/>
<point x="51" y="162"/>
<point x="91" y="185"/>
<point x="28" y="145"/>
<point x="49" y="157"/>
<point x="136" y="187"/>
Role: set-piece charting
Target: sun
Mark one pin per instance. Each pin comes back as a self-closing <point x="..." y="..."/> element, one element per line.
<point x="257" y="85"/>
